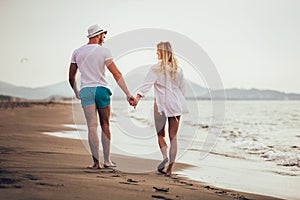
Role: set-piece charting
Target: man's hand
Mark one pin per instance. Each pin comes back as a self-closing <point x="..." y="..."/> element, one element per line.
<point x="77" y="93"/>
<point x="136" y="100"/>
<point x="72" y="79"/>
<point x="131" y="100"/>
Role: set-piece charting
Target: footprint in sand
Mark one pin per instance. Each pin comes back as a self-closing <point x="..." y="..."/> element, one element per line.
<point x="161" y="189"/>
<point x="50" y="185"/>
<point x="116" y="175"/>
<point x="103" y="177"/>
<point x="6" y="150"/>
<point x="31" y="177"/>
<point x="183" y="182"/>
<point x="130" y="182"/>
<point x="223" y="192"/>
<point x="160" y="197"/>
<point x="9" y="182"/>
<point x="240" y="197"/>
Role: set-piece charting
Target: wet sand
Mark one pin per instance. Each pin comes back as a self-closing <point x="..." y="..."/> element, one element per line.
<point x="37" y="166"/>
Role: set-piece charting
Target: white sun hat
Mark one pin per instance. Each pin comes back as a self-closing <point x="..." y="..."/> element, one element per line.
<point x="95" y="30"/>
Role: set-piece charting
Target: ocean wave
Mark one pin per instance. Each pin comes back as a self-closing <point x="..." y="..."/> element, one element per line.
<point x="282" y="159"/>
<point x="196" y="124"/>
<point x="245" y="143"/>
<point x="286" y="173"/>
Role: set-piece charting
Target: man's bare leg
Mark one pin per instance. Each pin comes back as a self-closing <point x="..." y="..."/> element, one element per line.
<point x="104" y="117"/>
<point x="90" y="113"/>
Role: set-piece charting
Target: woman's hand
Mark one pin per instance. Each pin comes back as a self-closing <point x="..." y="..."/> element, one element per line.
<point x="136" y="100"/>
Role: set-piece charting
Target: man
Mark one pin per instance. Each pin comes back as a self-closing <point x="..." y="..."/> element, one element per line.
<point x="92" y="59"/>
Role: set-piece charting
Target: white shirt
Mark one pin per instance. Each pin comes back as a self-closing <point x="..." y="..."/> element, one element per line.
<point x="90" y="59"/>
<point x="169" y="94"/>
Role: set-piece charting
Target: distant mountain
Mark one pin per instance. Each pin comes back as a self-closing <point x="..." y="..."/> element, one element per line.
<point x="193" y="91"/>
<point x="59" y="90"/>
<point x="256" y="94"/>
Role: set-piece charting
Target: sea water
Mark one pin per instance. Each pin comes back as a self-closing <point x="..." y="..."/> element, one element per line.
<point x="256" y="148"/>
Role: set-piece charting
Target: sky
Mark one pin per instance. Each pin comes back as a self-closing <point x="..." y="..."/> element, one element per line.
<point x="253" y="43"/>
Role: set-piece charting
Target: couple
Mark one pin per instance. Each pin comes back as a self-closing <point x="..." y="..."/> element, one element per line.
<point x="92" y="60"/>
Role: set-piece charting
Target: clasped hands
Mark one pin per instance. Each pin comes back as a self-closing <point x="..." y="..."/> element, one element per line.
<point x="133" y="101"/>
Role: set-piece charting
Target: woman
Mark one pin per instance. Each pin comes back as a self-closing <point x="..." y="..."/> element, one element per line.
<point x="169" y="103"/>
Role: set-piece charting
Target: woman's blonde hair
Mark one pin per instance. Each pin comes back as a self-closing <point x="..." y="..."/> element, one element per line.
<point x="167" y="58"/>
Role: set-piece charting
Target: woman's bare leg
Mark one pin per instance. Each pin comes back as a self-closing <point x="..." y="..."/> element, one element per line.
<point x="173" y="130"/>
<point x="160" y="121"/>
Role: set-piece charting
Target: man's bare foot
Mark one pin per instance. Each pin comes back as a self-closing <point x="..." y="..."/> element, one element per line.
<point x="109" y="164"/>
<point x="95" y="166"/>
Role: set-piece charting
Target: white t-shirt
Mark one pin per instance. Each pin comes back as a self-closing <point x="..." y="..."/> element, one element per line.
<point x="90" y="59"/>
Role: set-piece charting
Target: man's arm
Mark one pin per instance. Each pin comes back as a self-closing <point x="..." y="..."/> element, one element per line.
<point x="72" y="78"/>
<point x="119" y="79"/>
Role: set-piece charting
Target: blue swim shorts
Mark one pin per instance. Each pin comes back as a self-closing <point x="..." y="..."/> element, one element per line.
<point x="95" y="95"/>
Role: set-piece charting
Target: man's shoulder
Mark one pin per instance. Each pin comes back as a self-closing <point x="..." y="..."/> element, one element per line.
<point x="102" y="48"/>
<point x="80" y="48"/>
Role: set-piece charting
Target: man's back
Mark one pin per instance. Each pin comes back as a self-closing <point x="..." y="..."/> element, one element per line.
<point x="90" y="59"/>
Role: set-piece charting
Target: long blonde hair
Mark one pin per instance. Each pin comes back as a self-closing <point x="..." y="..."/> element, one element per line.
<point x="167" y="56"/>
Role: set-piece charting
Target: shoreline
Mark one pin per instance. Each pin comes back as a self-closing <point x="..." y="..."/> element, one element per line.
<point x="209" y="171"/>
<point x="34" y="165"/>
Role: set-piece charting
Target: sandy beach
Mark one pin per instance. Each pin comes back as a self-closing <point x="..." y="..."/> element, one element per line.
<point x="38" y="166"/>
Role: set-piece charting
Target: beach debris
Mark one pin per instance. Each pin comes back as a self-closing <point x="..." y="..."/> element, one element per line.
<point x="161" y="189"/>
<point x="204" y="126"/>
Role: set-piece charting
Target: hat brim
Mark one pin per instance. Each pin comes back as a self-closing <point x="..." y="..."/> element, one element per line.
<point x="97" y="33"/>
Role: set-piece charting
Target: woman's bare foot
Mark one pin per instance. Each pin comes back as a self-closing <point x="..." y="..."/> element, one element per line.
<point x="170" y="168"/>
<point x="169" y="173"/>
<point x="162" y="165"/>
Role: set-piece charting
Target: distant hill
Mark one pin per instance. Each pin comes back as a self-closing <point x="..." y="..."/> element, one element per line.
<point x="59" y="90"/>
<point x="256" y="94"/>
<point x="193" y="91"/>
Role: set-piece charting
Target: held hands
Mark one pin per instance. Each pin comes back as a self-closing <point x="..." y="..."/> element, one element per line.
<point x="133" y="101"/>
